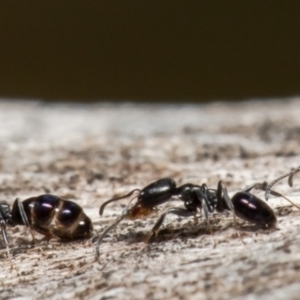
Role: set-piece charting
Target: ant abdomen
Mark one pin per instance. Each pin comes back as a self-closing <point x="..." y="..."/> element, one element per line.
<point x="71" y="222"/>
<point x="53" y="216"/>
<point x="252" y="209"/>
<point x="39" y="210"/>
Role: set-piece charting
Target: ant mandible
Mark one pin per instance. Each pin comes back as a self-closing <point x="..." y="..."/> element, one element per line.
<point x="47" y="214"/>
<point x="243" y="204"/>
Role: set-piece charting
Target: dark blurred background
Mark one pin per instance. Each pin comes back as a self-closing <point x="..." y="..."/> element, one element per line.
<point x="154" y="50"/>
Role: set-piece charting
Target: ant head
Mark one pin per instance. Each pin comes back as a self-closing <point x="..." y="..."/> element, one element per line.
<point x="5" y="212"/>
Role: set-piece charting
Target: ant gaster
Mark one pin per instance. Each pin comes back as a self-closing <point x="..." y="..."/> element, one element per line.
<point x="243" y="204"/>
<point x="47" y="214"/>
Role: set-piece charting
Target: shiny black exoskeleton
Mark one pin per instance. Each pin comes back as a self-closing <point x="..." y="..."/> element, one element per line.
<point x="195" y="198"/>
<point x="252" y="209"/>
<point x="47" y="214"/>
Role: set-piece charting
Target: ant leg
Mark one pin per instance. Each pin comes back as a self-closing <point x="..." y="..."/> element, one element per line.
<point x="260" y="186"/>
<point x="24" y="218"/>
<point x="290" y="176"/>
<point x="223" y="194"/>
<point x="115" y="199"/>
<point x="173" y="210"/>
<point x="4" y="236"/>
<point x="274" y="193"/>
<point x="263" y="186"/>
<point x="205" y="206"/>
<point x="206" y="213"/>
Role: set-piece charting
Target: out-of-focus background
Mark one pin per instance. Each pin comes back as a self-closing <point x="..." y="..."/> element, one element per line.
<point x="153" y="51"/>
<point x="150" y="51"/>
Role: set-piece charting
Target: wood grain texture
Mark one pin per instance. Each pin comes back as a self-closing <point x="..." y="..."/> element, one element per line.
<point x="89" y="153"/>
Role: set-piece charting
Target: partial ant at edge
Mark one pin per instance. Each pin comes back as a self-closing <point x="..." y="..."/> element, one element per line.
<point x="47" y="214"/>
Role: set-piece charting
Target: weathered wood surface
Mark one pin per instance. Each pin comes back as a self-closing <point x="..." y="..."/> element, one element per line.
<point x="89" y="153"/>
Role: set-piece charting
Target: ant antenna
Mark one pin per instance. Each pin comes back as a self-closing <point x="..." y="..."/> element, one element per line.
<point x="115" y="223"/>
<point x="116" y="199"/>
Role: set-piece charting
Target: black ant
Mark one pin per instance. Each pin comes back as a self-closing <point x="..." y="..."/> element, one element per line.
<point x="243" y="204"/>
<point x="47" y="214"/>
<point x="290" y="176"/>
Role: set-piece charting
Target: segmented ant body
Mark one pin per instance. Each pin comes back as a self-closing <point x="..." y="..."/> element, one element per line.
<point x="47" y="214"/>
<point x="195" y="198"/>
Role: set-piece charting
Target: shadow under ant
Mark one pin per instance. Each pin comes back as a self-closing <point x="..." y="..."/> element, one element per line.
<point x="23" y="244"/>
<point x="189" y="230"/>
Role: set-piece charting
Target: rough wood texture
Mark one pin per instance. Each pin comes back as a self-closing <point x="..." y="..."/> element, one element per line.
<point x="89" y="153"/>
